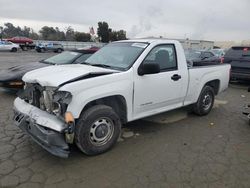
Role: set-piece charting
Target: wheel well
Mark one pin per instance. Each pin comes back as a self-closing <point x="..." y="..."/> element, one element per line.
<point x="116" y="102"/>
<point x="215" y="84"/>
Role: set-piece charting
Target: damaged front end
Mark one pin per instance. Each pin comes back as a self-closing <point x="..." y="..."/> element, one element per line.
<point x="39" y="111"/>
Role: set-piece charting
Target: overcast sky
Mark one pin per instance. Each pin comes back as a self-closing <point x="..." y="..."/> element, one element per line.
<point x="194" y="19"/>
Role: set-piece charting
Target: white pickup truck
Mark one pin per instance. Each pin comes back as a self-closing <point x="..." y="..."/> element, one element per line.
<point x="122" y="82"/>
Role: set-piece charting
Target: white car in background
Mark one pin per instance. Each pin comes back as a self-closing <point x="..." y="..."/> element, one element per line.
<point x="8" y="46"/>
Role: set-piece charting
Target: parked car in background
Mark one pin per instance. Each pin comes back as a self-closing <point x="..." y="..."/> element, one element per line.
<point x="12" y="77"/>
<point x="24" y="42"/>
<point x="8" y="46"/>
<point x="202" y="57"/>
<point x="53" y="47"/>
<point x="218" y="52"/>
<point x="239" y="58"/>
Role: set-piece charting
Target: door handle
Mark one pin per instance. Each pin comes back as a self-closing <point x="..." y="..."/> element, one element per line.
<point x="176" y="77"/>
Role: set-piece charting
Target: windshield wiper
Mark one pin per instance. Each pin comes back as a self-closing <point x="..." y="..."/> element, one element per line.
<point x="46" y="62"/>
<point x="101" y="65"/>
<point x="85" y="63"/>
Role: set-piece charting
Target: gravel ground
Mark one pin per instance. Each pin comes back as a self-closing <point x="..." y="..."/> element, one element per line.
<point x="169" y="150"/>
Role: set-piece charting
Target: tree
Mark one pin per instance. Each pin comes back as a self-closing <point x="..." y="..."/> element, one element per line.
<point x="51" y="33"/>
<point x="82" y="37"/>
<point x="10" y="30"/>
<point x="69" y="33"/>
<point x="121" y="35"/>
<point x="60" y="35"/>
<point x="1" y="32"/>
<point x="48" y="33"/>
<point x="117" y="35"/>
<point x="103" y="31"/>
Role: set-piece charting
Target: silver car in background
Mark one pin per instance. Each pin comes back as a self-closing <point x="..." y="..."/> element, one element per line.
<point x="8" y="46"/>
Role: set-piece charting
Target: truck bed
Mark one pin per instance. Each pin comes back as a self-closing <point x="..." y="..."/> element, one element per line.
<point x="200" y="75"/>
<point x="201" y="64"/>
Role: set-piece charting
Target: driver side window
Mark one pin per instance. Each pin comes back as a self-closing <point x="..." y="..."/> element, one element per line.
<point x="164" y="55"/>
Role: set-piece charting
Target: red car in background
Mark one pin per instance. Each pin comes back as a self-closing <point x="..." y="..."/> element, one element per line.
<point x="24" y="42"/>
<point x="20" y="40"/>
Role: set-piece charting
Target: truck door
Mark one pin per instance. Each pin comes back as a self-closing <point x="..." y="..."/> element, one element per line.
<point x="155" y="93"/>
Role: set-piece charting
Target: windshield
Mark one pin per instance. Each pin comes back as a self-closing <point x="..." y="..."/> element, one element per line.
<point x="192" y="54"/>
<point x="119" y="55"/>
<point x="83" y="58"/>
<point x="217" y="52"/>
<point x="63" y="58"/>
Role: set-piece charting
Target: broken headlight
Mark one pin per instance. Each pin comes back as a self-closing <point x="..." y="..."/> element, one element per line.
<point x="60" y="102"/>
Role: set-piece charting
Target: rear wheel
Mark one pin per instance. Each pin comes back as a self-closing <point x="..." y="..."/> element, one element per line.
<point x="59" y="50"/>
<point x="24" y="48"/>
<point x="205" y="102"/>
<point x="97" y="130"/>
<point x="14" y="49"/>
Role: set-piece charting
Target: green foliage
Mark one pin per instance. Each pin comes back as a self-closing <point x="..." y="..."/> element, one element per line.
<point x="9" y="30"/>
<point x="103" y="31"/>
<point x="82" y="37"/>
<point x="70" y="33"/>
<point x="106" y="34"/>
<point x="117" y="35"/>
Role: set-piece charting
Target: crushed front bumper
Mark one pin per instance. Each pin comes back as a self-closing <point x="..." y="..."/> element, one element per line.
<point x="39" y="125"/>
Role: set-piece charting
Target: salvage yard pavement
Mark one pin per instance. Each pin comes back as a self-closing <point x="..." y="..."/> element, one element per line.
<point x="173" y="149"/>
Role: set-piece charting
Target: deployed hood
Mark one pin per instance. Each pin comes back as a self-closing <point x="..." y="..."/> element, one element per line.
<point x="17" y="72"/>
<point x="55" y="76"/>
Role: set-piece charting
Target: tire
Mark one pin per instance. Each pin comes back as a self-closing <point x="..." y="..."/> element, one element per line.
<point x="42" y="50"/>
<point x="97" y="130"/>
<point x="24" y="48"/>
<point x="14" y="49"/>
<point x="59" y="50"/>
<point x="205" y="102"/>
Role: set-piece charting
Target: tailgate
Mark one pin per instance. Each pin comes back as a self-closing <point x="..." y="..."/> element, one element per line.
<point x="241" y="66"/>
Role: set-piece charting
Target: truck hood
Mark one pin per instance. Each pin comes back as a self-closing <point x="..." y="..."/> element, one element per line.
<point x="54" y="76"/>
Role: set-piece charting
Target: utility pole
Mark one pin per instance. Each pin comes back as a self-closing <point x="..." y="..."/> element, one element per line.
<point x="1" y="32"/>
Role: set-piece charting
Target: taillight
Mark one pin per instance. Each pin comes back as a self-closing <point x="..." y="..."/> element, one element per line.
<point x="222" y="60"/>
<point x="245" y="49"/>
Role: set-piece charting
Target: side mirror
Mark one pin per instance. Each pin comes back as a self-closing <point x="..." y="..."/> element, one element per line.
<point x="148" y="68"/>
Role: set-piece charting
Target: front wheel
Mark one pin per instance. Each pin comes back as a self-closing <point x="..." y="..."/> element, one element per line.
<point x="14" y="50"/>
<point x="205" y="102"/>
<point x="42" y="50"/>
<point x="97" y="130"/>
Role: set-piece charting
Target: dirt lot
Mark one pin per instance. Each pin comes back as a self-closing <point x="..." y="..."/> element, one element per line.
<point x="169" y="150"/>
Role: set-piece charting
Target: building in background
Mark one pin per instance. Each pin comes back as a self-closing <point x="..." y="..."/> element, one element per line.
<point x="229" y="44"/>
<point x="196" y="44"/>
<point x="191" y="44"/>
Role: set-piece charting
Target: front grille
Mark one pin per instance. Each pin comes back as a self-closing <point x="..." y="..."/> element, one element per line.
<point x="45" y="98"/>
<point x="38" y="96"/>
